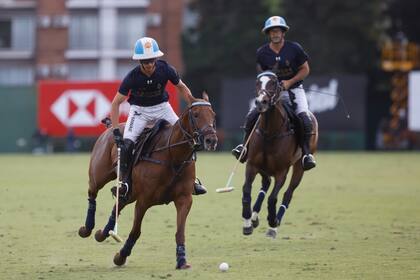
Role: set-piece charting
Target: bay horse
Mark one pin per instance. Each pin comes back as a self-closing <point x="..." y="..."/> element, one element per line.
<point x="166" y="175"/>
<point x="272" y="150"/>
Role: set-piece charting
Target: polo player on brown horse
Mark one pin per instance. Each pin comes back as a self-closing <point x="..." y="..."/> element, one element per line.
<point x="273" y="149"/>
<point x="164" y="172"/>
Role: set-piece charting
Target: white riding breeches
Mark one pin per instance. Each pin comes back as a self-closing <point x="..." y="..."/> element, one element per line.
<point x="297" y="98"/>
<point x="139" y="116"/>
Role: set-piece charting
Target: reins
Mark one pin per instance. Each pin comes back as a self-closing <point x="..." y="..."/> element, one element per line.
<point x="274" y="105"/>
<point x="190" y="139"/>
<point x="185" y="134"/>
<point x="263" y="133"/>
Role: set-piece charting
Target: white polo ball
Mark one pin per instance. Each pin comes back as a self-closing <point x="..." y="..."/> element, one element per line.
<point x="223" y="267"/>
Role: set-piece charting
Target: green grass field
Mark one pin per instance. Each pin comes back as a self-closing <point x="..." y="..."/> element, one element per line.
<point x="356" y="216"/>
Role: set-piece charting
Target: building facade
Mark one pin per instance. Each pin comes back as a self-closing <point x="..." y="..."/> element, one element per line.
<point x="82" y="39"/>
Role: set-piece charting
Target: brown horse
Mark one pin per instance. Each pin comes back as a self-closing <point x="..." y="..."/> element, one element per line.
<point x="166" y="175"/>
<point x="272" y="150"/>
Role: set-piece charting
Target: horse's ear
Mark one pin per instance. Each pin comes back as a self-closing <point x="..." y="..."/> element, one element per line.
<point x="205" y="96"/>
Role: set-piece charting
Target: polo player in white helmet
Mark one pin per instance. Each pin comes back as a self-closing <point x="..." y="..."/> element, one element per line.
<point x="148" y="101"/>
<point x="290" y="63"/>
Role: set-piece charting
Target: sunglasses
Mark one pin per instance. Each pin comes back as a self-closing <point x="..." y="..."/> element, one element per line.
<point x="148" y="61"/>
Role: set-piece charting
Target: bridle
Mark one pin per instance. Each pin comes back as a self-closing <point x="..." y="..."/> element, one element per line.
<point x="273" y="95"/>
<point x="196" y="139"/>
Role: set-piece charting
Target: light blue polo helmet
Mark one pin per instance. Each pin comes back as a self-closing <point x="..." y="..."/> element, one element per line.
<point x="275" y="21"/>
<point x="146" y="48"/>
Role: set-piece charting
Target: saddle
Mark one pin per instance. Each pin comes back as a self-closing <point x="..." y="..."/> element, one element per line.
<point x="144" y="143"/>
<point x="145" y="139"/>
<point x="143" y="146"/>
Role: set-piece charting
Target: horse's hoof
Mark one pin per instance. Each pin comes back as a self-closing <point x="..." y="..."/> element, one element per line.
<point x="255" y="222"/>
<point x="84" y="232"/>
<point x="247" y="230"/>
<point x="119" y="260"/>
<point x="99" y="236"/>
<point x="271" y="233"/>
<point x="184" y="266"/>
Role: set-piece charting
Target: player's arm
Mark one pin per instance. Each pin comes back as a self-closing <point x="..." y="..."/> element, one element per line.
<point x="115" y="109"/>
<point x="302" y="73"/>
<point x="184" y="91"/>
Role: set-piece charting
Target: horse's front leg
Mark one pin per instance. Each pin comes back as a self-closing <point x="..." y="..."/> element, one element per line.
<point x="250" y="174"/>
<point x="265" y="184"/>
<point x="95" y="184"/>
<point x="86" y="230"/>
<point x="287" y="197"/>
<point x="121" y="256"/>
<point x="272" y="201"/>
<point x="183" y="206"/>
<point x="100" y="173"/>
<point x="101" y="235"/>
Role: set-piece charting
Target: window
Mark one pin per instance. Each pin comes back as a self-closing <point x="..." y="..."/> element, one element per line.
<point x="5" y="34"/>
<point x="83" y="70"/>
<point x="123" y="67"/>
<point x="23" y="33"/>
<point x="16" y="74"/>
<point x="84" y="32"/>
<point x="131" y="27"/>
<point x="17" y="33"/>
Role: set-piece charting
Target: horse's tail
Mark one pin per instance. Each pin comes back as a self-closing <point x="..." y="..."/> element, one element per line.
<point x="107" y="122"/>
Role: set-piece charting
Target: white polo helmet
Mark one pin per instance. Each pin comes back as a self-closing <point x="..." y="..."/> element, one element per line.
<point x="275" y="21"/>
<point x="146" y="48"/>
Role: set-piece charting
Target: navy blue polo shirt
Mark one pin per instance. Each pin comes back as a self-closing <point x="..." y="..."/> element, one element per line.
<point x="289" y="59"/>
<point x="149" y="91"/>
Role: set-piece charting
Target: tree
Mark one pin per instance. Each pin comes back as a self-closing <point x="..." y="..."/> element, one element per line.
<point x="404" y="17"/>
<point x="340" y="36"/>
<point x="224" y="42"/>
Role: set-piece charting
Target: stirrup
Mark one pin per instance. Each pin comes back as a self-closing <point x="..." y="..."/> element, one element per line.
<point x="236" y="152"/>
<point x="198" y="188"/>
<point x="238" y="149"/>
<point x="308" y="162"/>
<point x="122" y="192"/>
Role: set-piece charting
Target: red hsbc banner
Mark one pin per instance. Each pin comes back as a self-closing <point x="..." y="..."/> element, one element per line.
<point x="81" y="106"/>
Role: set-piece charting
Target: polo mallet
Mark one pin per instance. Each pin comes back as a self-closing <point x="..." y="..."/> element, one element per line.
<point x="335" y="95"/>
<point x="114" y="233"/>
<point x="229" y="188"/>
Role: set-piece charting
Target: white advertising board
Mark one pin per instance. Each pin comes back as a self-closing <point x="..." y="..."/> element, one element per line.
<point x="414" y="101"/>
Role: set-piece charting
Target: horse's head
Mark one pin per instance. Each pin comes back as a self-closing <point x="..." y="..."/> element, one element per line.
<point x="268" y="91"/>
<point x="201" y="124"/>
